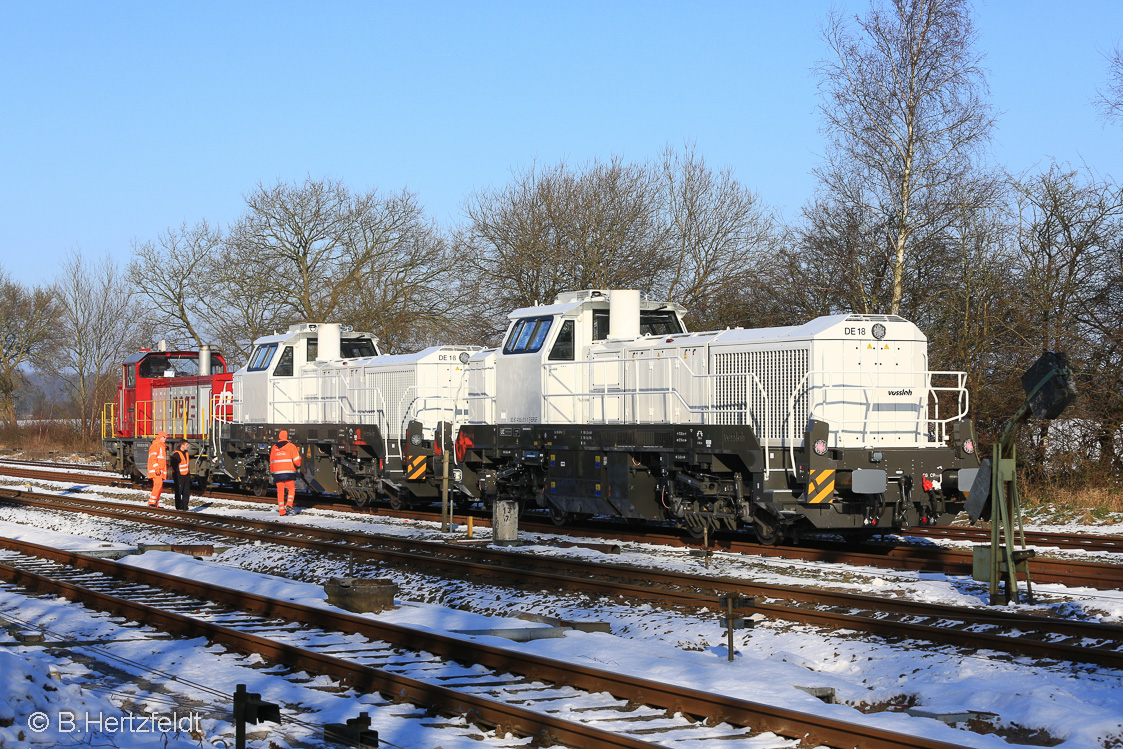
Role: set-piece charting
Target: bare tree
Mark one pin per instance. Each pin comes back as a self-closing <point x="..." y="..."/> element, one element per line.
<point x="718" y="235"/>
<point x="244" y="303"/>
<point x="1110" y="100"/>
<point x="28" y="327"/>
<point x="410" y="293"/>
<point x="1068" y="240"/>
<point x="176" y="275"/>
<point x="311" y="243"/>
<point x="103" y="324"/>
<point x="844" y="262"/>
<point x="904" y="110"/>
<point x="559" y="228"/>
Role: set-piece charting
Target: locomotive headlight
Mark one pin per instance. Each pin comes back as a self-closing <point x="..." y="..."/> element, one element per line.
<point x="878" y="331"/>
<point x="464" y="357"/>
<point x="415" y="439"/>
<point x="820" y="447"/>
<point x="969" y="446"/>
<point x="876" y="456"/>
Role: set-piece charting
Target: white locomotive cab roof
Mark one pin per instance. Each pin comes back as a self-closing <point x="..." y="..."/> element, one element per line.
<point x="545" y="310"/>
<point x="275" y="338"/>
<point x="562" y="308"/>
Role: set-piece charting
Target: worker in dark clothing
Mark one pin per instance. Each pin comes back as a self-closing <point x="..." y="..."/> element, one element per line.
<point x="180" y="465"/>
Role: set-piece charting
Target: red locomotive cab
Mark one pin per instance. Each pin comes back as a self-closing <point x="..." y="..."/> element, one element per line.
<point x="178" y="392"/>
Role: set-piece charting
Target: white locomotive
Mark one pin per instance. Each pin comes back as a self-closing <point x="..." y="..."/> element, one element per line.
<point x="365" y="421"/>
<point x="602" y="403"/>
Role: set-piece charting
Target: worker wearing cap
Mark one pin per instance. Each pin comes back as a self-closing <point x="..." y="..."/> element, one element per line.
<point x="157" y="467"/>
<point x="284" y="459"/>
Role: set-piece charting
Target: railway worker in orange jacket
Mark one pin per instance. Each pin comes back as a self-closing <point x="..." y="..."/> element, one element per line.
<point x="157" y="467"/>
<point x="180" y="466"/>
<point x="284" y="459"/>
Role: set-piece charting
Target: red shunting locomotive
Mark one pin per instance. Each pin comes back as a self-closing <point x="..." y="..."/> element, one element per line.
<point x="181" y="393"/>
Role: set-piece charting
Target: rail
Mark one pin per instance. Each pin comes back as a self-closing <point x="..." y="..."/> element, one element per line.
<point x="811" y="727"/>
<point x="481" y="394"/>
<point x="443" y="407"/>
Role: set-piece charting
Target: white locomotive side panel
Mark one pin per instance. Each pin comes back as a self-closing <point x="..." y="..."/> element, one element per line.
<point x="429" y="386"/>
<point x="481" y="388"/>
<point x="866" y="376"/>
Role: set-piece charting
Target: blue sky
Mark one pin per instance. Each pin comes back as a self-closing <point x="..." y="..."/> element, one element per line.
<point x="120" y="119"/>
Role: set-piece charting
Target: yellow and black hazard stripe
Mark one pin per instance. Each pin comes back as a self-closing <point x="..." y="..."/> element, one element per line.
<point x="415" y="467"/>
<point x="820" y="487"/>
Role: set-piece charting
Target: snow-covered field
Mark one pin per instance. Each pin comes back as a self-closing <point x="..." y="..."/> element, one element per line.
<point x="1077" y="705"/>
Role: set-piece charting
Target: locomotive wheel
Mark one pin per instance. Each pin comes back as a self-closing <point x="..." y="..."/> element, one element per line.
<point x="767" y="534"/>
<point x="361" y="499"/>
<point x="396" y="502"/>
<point x="695" y="531"/>
<point x="258" y="489"/>
<point x="559" y="517"/>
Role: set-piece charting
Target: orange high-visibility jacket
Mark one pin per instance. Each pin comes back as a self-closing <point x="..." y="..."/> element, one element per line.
<point x="284" y="459"/>
<point x="157" y="459"/>
<point x="184" y="462"/>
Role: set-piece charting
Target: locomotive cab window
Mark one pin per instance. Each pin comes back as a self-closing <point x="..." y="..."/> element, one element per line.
<point x="600" y="325"/>
<point x="349" y="348"/>
<point x="130" y="376"/>
<point x="284" y="364"/>
<point x="154" y="366"/>
<point x="563" y="346"/>
<point x="650" y="323"/>
<point x="261" y="358"/>
<point x="527" y="335"/>
<point x="659" y="323"/>
<point x="354" y="348"/>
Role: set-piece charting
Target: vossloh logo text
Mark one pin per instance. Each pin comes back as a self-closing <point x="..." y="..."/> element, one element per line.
<point x="900" y="392"/>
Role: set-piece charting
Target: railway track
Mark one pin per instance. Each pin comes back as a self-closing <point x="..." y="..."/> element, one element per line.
<point x="1002" y="631"/>
<point x="531" y="695"/>
<point x="1069" y="572"/>
<point x="1036" y="538"/>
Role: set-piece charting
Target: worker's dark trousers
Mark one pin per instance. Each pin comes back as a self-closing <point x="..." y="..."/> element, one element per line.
<point x="182" y="491"/>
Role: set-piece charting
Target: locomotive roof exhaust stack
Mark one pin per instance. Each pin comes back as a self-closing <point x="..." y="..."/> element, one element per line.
<point x="204" y="360"/>
<point x="328" y="347"/>
<point x="623" y="309"/>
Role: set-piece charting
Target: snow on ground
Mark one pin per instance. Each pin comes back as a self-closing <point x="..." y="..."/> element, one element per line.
<point x="1078" y="704"/>
<point x="39" y="710"/>
<point x="137" y="675"/>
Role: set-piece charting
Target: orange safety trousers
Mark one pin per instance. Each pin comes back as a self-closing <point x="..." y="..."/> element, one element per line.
<point x="157" y="487"/>
<point x="283" y="488"/>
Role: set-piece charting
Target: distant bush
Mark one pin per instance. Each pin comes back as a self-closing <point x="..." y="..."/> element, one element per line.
<point x="47" y="436"/>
